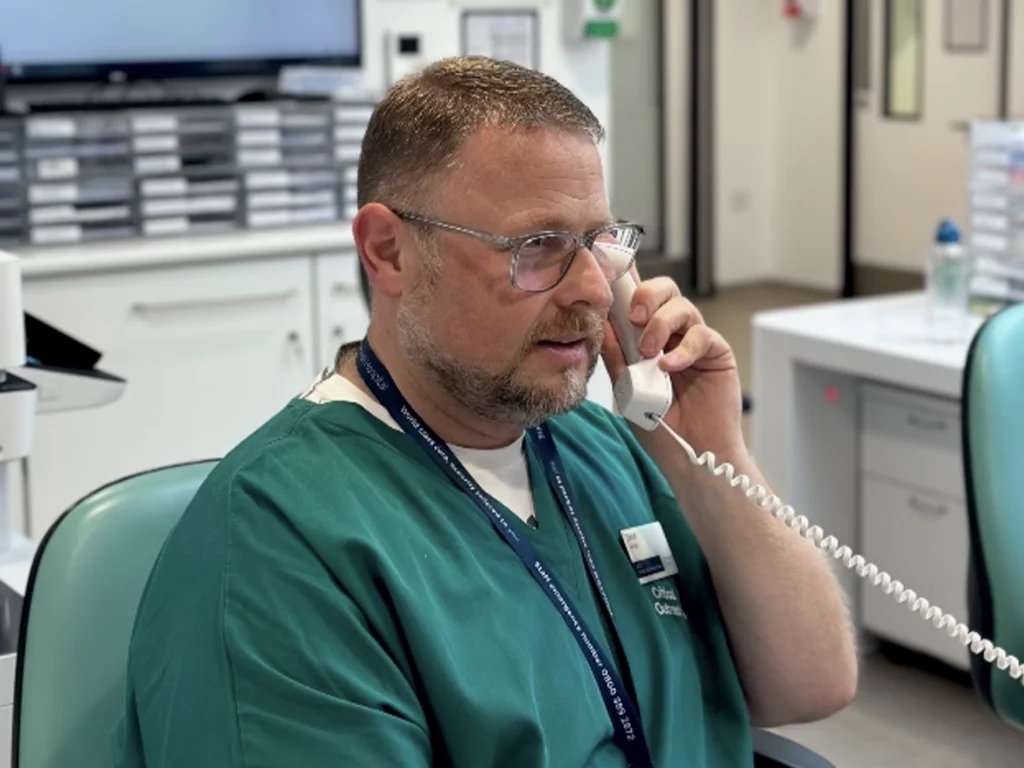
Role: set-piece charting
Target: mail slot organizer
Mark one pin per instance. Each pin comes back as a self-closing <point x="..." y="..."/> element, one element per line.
<point x="108" y="174"/>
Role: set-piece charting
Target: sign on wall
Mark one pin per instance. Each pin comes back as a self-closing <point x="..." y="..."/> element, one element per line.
<point x="501" y="34"/>
<point x="593" y="19"/>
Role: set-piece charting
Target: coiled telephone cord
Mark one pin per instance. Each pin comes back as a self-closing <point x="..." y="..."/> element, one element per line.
<point x="773" y="505"/>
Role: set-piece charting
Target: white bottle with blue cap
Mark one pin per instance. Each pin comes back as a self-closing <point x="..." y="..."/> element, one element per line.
<point x="948" y="285"/>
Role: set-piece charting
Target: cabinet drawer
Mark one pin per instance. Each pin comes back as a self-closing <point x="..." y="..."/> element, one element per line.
<point x="922" y="540"/>
<point x="339" y="276"/>
<point x="912" y="439"/>
<point x="342" y="314"/>
<point x="208" y="352"/>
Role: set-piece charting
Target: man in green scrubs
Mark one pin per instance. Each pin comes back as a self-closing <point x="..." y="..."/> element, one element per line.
<point x="442" y="554"/>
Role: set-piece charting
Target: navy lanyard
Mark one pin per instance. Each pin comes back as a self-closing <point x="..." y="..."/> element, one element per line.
<point x="625" y="718"/>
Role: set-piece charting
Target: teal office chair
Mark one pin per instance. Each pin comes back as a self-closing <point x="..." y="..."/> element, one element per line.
<point x="83" y="591"/>
<point x="992" y="419"/>
<point x="79" y="611"/>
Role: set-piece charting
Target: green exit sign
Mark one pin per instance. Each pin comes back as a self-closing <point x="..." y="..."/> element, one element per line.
<point x="594" y="19"/>
<point x="597" y="28"/>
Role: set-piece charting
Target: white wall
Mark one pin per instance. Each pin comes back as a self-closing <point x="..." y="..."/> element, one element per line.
<point x="808" y="150"/>
<point x="744" y="140"/>
<point x="779" y="92"/>
<point x="583" y="67"/>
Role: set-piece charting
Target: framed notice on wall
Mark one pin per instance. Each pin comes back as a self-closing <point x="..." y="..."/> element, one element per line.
<point x="509" y="35"/>
<point x="967" y="25"/>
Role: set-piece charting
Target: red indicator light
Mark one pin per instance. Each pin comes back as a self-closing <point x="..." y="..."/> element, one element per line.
<point x="832" y="394"/>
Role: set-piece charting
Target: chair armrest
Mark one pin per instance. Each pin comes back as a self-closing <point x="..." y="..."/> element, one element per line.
<point x="774" y="751"/>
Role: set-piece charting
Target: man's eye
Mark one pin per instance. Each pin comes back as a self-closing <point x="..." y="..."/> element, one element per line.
<point x="547" y="245"/>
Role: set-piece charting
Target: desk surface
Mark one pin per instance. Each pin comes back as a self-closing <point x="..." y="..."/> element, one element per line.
<point x="810" y="364"/>
<point x="883" y="337"/>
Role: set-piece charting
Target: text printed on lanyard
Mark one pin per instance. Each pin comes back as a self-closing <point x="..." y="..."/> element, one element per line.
<point x="624" y="716"/>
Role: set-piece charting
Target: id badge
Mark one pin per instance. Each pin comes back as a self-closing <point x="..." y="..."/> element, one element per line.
<point x="649" y="552"/>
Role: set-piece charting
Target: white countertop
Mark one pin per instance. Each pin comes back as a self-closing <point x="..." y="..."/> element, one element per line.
<point x="165" y="251"/>
<point x="879" y="337"/>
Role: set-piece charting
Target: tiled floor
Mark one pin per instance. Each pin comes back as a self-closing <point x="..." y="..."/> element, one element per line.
<point x="905" y="714"/>
<point x="731" y="310"/>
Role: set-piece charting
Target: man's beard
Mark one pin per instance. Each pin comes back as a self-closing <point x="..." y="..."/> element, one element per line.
<point x="505" y="397"/>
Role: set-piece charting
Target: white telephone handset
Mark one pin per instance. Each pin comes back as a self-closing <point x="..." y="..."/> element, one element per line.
<point x="643" y="392"/>
<point x="643" y="395"/>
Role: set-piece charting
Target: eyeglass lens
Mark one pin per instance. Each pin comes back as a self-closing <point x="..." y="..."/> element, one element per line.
<point x="544" y="259"/>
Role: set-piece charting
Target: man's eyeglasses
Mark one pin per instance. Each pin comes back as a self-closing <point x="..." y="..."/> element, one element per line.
<point x="540" y="260"/>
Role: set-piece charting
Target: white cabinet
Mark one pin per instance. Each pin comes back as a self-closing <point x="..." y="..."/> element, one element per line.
<point x="342" y="314"/>
<point x="920" y="538"/>
<point x="913" y="515"/>
<point x="208" y="351"/>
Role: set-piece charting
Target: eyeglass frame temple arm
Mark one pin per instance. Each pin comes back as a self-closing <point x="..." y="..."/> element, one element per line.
<point x="515" y="243"/>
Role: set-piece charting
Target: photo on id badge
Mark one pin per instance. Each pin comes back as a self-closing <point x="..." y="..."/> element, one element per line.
<point x="654" y="565"/>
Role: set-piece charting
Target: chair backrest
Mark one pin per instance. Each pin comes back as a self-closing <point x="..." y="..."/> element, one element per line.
<point x="83" y="592"/>
<point x="993" y="446"/>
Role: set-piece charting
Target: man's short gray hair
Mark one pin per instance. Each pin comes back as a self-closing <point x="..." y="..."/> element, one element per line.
<point x="418" y="129"/>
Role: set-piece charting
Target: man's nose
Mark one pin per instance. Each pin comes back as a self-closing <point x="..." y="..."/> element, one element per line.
<point x="586" y="283"/>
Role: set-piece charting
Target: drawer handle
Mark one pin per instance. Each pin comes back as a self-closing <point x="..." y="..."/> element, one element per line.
<point x="935" y="425"/>
<point x="927" y="508"/>
<point x="343" y="289"/>
<point x="224" y="302"/>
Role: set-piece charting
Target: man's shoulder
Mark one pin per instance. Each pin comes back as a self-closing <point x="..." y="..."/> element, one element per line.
<point x="301" y="440"/>
<point x="302" y="481"/>
<point x="302" y="463"/>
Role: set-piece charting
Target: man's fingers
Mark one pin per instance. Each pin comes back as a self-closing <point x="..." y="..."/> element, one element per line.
<point x="676" y="317"/>
<point x="650" y="296"/>
<point x="701" y="347"/>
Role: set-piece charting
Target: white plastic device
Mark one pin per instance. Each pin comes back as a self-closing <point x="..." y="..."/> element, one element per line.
<point x="12" y="324"/>
<point x="403" y="55"/>
<point x="17" y="401"/>
<point x="643" y="395"/>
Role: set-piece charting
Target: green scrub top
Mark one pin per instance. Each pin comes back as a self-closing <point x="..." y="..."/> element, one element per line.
<point x="331" y="598"/>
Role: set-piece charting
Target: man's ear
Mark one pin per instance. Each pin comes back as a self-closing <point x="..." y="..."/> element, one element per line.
<point x="378" y="235"/>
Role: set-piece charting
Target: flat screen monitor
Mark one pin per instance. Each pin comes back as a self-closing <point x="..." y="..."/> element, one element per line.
<point x="50" y="40"/>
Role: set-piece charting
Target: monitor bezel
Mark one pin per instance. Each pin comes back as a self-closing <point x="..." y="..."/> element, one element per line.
<point x="126" y="72"/>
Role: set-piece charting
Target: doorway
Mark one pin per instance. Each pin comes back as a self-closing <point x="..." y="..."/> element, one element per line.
<point x="919" y="71"/>
<point x="637" y="171"/>
<point x="661" y="131"/>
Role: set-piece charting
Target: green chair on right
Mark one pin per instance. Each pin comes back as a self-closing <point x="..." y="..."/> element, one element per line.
<point x="992" y="417"/>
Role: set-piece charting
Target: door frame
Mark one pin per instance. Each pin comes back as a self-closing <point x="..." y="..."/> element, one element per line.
<point x="686" y="144"/>
<point x="849" y="119"/>
<point x="1005" y="57"/>
<point x="702" y="147"/>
